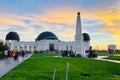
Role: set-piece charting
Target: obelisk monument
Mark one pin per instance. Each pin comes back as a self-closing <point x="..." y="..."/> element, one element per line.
<point x="79" y="45"/>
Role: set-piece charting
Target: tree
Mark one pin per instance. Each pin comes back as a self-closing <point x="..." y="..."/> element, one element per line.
<point x="2" y="45"/>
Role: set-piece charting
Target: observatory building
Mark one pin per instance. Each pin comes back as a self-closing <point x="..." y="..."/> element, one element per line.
<point x="48" y="41"/>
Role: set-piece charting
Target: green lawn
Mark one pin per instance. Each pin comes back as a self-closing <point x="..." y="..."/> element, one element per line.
<point x="45" y="55"/>
<point x="79" y="69"/>
<point x="102" y="54"/>
<point x="107" y="54"/>
<point x="113" y="57"/>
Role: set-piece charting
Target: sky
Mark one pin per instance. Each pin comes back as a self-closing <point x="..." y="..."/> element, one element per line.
<point x="99" y="18"/>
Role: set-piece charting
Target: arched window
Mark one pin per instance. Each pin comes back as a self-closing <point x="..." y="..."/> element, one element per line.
<point x="66" y="47"/>
<point x="30" y="48"/>
<point x="15" y="47"/>
<point x="25" y="47"/>
<point x="70" y="47"/>
<point x="34" y="48"/>
<point x="20" y="47"/>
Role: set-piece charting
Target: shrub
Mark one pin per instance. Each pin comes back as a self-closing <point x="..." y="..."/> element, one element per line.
<point x="78" y="56"/>
<point x="71" y="54"/>
<point x="1" y="55"/>
<point x="64" y="53"/>
<point x="92" y="54"/>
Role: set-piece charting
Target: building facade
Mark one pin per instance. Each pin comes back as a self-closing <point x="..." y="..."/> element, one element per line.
<point x="111" y="48"/>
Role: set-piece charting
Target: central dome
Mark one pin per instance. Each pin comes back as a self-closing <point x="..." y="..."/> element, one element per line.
<point x="47" y="36"/>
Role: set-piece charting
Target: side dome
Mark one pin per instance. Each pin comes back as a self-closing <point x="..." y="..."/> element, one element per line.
<point x="47" y="36"/>
<point x="12" y="36"/>
<point x="86" y="37"/>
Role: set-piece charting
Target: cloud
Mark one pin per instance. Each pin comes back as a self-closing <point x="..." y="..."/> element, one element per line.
<point x="10" y="21"/>
<point x="105" y="21"/>
<point x="25" y="25"/>
<point x="113" y="30"/>
<point x="116" y="38"/>
<point x="61" y="20"/>
<point x="57" y="17"/>
<point x="57" y="21"/>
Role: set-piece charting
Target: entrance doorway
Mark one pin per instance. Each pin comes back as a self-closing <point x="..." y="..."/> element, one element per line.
<point x="51" y="47"/>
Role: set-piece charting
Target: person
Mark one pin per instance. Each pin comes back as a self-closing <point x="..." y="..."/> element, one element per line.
<point x="15" y="56"/>
<point x="18" y="53"/>
<point x="9" y="54"/>
<point x="6" y="55"/>
<point x="23" y="54"/>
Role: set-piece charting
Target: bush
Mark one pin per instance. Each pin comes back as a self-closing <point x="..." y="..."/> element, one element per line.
<point x="35" y="52"/>
<point x="78" y="56"/>
<point x="64" y="53"/>
<point x="71" y="54"/>
<point x="92" y="54"/>
<point x="67" y="54"/>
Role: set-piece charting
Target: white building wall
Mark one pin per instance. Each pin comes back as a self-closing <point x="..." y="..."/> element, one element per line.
<point x="112" y="47"/>
<point x="65" y="45"/>
<point x="11" y="44"/>
<point x="44" y="45"/>
<point x="86" y="45"/>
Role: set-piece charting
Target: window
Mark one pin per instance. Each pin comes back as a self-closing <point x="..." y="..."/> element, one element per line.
<point x="15" y="47"/>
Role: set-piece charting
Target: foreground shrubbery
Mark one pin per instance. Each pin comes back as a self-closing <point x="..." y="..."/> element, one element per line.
<point x="67" y="54"/>
<point x="92" y="54"/>
<point x="2" y="48"/>
<point x="1" y="55"/>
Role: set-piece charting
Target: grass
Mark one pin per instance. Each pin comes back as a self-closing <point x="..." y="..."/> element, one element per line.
<point x="113" y="57"/>
<point x="107" y="54"/>
<point x="102" y="54"/>
<point x="45" y="55"/>
<point x="79" y="69"/>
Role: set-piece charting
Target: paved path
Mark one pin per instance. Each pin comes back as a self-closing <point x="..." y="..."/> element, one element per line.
<point x="101" y="58"/>
<point x="6" y="66"/>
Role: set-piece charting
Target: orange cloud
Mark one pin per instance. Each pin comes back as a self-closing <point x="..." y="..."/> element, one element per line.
<point x="117" y="40"/>
<point x="67" y="34"/>
<point x="59" y="17"/>
<point x="55" y="19"/>
<point x="113" y="30"/>
<point x="109" y="18"/>
<point x="10" y="22"/>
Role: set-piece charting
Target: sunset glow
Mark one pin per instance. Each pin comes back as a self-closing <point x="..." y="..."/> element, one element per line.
<point x="100" y="19"/>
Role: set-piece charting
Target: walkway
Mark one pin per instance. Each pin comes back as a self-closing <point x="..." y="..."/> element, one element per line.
<point x="101" y="58"/>
<point x="6" y="66"/>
